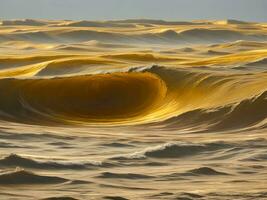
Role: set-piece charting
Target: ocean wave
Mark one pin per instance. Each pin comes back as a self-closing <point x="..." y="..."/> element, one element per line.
<point x="217" y="150"/>
<point x="249" y="110"/>
<point x="103" y="97"/>
<point x="110" y="175"/>
<point x="223" y="118"/>
<point x="85" y="23"/>
<point x="60" y="198"/>
<point x="14" y="160"/>
<point x="21" y="176"/>
<point x="202" y="171"/>
<point x="72" y="66"/>
<point x="151" y="95"/>
<point x="184" y="36"/>
<point x="156" y="102"/>
<point x="23" y="22"/>
<point x="114" y="198"/>
<point x="261" y="62"/>
<point x="240" y="44"/>
<point x="156" y="22"/>
<point x="209" y="34"/>
<point x="258" y="157"/>
<point x="174" y="150"/>
<point x="205" y="171"/>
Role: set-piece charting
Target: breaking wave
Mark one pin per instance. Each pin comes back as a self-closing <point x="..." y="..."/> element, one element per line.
<point x="103" y="97"/>
<point x="156" y="96"/>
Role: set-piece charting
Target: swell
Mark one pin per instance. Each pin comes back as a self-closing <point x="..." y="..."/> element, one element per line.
<point x="167" y="36"/>
<point x="114" y="23"/>
<point x="24" y="22"/>
<point x="111" y="175"/>
<point x="22" y="177"/>
<point x="202" y="171"/>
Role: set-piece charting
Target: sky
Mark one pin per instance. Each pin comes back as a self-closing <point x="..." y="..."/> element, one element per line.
<point x="175" y="10"/>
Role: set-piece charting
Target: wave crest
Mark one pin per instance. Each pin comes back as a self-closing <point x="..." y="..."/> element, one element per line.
<point x="14" y="160"/>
